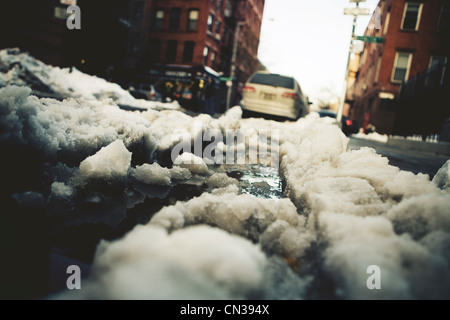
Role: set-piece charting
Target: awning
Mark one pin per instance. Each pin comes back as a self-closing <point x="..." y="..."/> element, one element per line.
<point x="178" y="73"/>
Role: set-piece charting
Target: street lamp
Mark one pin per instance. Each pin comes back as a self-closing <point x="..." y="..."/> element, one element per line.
<point x="233" y="62"/>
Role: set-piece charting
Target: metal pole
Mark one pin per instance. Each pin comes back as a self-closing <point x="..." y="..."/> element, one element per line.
<point x="347" y="71"/>
<point x="233" y="62"/>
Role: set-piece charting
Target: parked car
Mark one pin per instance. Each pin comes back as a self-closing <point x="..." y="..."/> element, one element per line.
<point x="348" y="126"/>
<point x="146" y="92"/>
<point x="274" y="94"/>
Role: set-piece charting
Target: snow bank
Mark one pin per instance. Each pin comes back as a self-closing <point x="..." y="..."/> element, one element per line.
<point x="366" y="212"/>
<point x="275" y="224"/>
<point x="194" y="263"/>
<point x="197" y="262"/>
<point x="72" y="126"/>
<point x="345" y="211"/>
<point x="69" y="84"/>
<point x="374" y="136"/>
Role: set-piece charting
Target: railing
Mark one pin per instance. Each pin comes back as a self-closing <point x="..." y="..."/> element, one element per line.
<point x="424" y="82"/>
<point x="422" y="107"/>
<point x="445" y="132"/>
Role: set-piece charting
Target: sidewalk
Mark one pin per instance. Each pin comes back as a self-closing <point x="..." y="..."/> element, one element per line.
<point x="439" y="148"/>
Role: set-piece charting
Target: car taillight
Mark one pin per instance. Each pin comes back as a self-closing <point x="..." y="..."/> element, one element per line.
<point x="291" y="95"/>
<point x="249" y="89"/>
<point x="348" y="122"/>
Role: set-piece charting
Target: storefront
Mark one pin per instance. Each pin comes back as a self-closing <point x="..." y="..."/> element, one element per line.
<point x="190" y="86"/>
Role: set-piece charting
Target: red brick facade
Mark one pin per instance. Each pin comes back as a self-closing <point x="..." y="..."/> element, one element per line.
<point x="375" y="90"/>
<point x="216" y="36"/>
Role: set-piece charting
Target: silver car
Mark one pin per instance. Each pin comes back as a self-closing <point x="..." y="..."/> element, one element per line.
<point x="274" y="94"/>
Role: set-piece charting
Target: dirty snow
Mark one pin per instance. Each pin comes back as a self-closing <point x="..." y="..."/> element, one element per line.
<point x="343" y="210"/>
<point x="374" y="136"/>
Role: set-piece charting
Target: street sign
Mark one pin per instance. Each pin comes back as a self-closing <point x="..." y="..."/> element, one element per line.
<point x="69" y="2"/>
<point x="370" y="39"/>
<point x="357" y="11"/>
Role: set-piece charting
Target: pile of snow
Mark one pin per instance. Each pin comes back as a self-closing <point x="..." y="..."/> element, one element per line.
<point x="154" y="174"/>
<point x="69" y="84"/>
<point x="60" y="189"/>
<point x="192" y="162"/>
<point x="349" y="210"/>
<point x="374" y="136"/>
<point x="344" y="211"/>
<point x="16" y="68"/>
<point x="109" y="163"/>
<point x="221" y="180"/>
<point x="76" y="126"/>
<point x="198" y="262"/>
<point x="361" y="209"/>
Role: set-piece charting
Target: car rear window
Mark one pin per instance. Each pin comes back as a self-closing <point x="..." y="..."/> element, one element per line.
<point x="273" y="80"/>
<point x="327" y="114"/>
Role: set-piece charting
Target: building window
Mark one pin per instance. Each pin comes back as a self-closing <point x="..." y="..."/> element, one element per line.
<point x="218" y="24"/>
<point x="188" y="51"/>
<point x="175" y="18"/>
<point x="205" y="55"/>
<point x="158" y="19"/>
<point x="411" y="16"/>
<point x="154" y="50"/>
<point x="444" y="18"/>
<point x="228" y="9"/>
<point x="193" y="19"/>
<point x="377" y="73"/>
<point x="171" y="52"/>
<point x="386" y="23"/>
<point x="401" y="66"/>
<point x="210" y="23"/>
<point x="437" y="61"/>
<point x="213" y="59"/>
<point x="219" y="4"/>
<point x="436" y="69"/>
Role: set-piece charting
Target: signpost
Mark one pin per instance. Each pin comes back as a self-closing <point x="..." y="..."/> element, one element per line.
<point x="355" y="12"/>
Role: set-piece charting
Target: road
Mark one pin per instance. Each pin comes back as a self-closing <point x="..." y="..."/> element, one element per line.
<point x="406" y="159"/>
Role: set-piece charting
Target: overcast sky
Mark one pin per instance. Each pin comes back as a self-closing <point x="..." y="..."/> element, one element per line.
<point x="309" y="39"/>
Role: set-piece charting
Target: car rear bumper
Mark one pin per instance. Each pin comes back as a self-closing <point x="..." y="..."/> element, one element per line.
<point x="286" y="111"/>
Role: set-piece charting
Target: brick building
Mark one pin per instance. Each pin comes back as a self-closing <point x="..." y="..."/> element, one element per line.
<point x="189" y="40"/>
<point x="415" y="40"/>
<point x="200" y="32"/>
<point x="110" y="32"/>
<point x="34" y="26"/>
